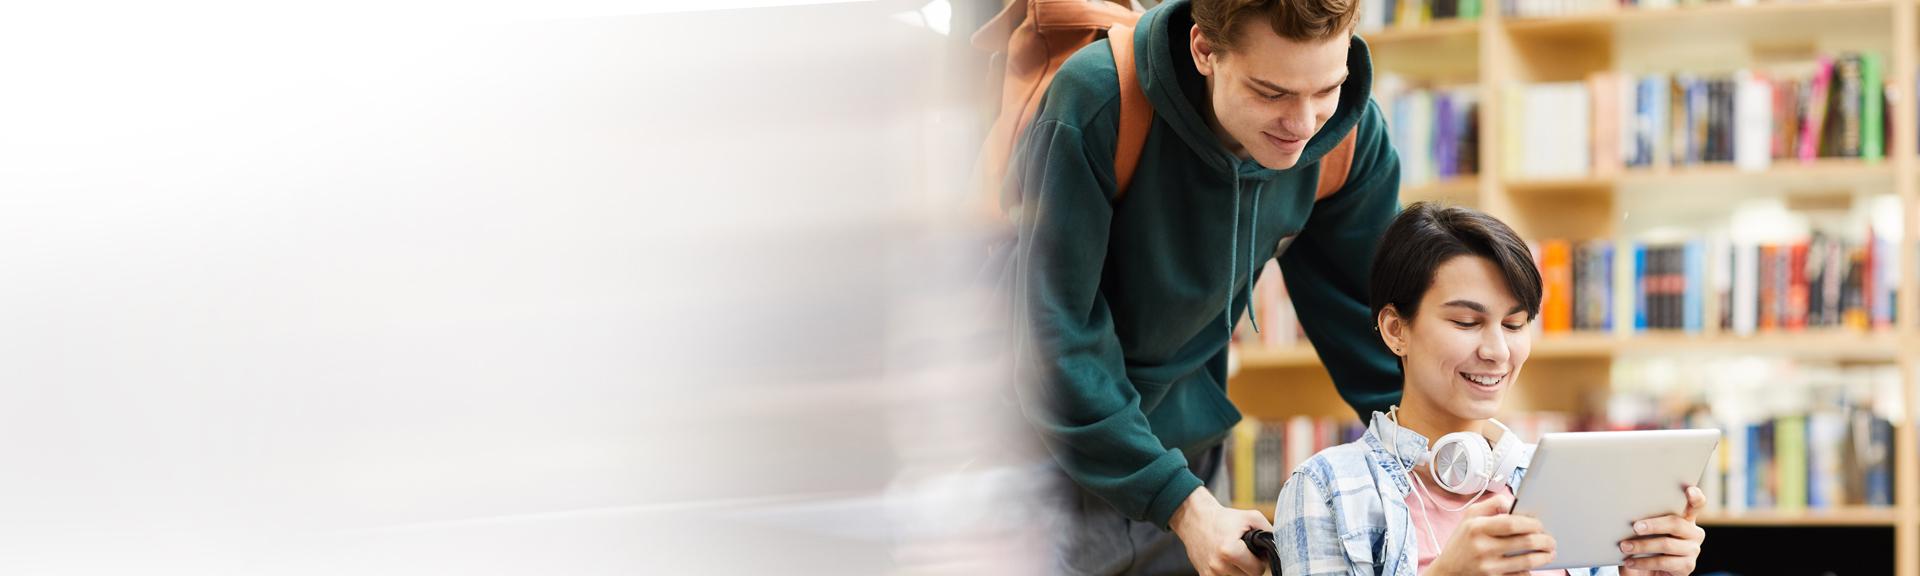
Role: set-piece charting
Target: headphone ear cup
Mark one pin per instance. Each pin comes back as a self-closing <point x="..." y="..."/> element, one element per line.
<point x="1462" y="463"/>
<point x="1511" y="454"/>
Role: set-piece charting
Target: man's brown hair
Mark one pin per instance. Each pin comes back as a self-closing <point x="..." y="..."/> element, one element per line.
<point x="1297" y="20"/>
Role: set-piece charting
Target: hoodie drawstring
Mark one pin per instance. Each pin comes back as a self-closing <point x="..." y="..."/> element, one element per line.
<point x="1233" y="256"/>
<point x="1252" y="315"/>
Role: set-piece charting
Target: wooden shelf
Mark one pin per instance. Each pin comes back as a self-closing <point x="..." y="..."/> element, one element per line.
<point x="1823" y="171"/>
<point x="1720" y="13"/>
<point x="1452" y="189"/>
<point x="1276" y="357"/>
<point x="1833" y="345"/>
<point x="1559" y="185"/>
<point x="1437" y="30"/>
<point x="1822" y="344"/>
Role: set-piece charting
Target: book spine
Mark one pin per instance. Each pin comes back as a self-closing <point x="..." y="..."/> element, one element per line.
<point x="1816" y="111"/>
<point x="1695" y="288"/>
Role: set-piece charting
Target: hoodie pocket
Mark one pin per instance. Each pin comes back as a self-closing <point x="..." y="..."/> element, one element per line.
<point x="1151" y="392"/>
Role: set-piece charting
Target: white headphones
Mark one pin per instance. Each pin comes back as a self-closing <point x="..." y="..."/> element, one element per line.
<point x="1463" y="464"/>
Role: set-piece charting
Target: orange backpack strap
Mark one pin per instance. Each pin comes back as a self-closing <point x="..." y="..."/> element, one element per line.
<point x="1334" y="167"/>
<point x="1136" y="114"/>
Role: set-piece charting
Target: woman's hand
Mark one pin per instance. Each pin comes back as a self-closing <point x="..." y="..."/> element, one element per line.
<point x="1672" y="542"/>
<point x="1491" y="541"/>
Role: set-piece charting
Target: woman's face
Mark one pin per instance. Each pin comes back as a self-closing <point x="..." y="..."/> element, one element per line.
<point x="1465" y="347"/>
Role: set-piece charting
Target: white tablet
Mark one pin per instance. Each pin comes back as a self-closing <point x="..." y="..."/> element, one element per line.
<point x="1588" y="488"/>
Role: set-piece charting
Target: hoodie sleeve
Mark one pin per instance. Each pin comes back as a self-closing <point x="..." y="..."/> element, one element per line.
<point x="1328" y="266"/>
<point x="1072" y="383"/>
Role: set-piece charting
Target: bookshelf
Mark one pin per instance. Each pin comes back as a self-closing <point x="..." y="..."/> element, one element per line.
<point x="1493" y="52"/>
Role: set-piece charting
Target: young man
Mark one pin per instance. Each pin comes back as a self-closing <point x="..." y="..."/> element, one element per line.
<point x="1126" y="306"/>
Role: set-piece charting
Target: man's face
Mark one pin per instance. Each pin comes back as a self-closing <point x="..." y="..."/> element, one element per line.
<point x="1270" y="95"/>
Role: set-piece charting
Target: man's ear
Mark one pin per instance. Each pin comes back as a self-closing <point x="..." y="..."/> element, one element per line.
<point x="1393" y="330"/>
<point x="1203" y="51"/>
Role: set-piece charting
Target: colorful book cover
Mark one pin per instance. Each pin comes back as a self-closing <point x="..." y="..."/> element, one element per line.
<point x="1556" y="265"/>
<point x="1814" y="127"/>
<point x="1797" y="288"/>
<point x="1245" y="435"/>
<point x="1873" y="86"/>
<point x="1790" y="462"/>
<point x="1639" y="288"/>
<point x="1694" y="287"/>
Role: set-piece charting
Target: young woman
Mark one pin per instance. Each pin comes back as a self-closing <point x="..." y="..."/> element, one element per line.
<point x="1453" y="291"/>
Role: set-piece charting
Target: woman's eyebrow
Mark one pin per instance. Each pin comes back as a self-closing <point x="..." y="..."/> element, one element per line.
<point x="1476" y="307"/>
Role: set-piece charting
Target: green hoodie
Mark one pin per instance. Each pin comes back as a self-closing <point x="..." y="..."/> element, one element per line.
<point x="1124" y="309"/>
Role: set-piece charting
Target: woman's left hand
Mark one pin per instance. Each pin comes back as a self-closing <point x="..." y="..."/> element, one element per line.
<point x="1673" y="540"/>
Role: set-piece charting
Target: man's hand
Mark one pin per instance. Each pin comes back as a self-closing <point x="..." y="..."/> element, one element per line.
<point x="1211" y="533"/>
<point x="1491" y="541"/>
<point x="1673" y="542"/>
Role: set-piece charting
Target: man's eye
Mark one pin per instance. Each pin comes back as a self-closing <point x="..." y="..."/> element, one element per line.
<point x="1272" y="97"/>
<point x="1515" y="327"/>
<point x="1465" y="324"/>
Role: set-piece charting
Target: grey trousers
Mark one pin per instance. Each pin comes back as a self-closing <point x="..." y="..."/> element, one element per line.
<point x="1093" y="539"/>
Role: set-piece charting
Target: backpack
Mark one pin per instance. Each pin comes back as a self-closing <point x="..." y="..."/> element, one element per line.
<point x="1035" y="37"/>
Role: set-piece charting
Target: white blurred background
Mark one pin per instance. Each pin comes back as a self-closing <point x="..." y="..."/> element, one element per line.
<point x="494" y="288"/>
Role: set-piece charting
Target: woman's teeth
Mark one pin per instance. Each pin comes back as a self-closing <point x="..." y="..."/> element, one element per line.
<point x="1484" y="380"/>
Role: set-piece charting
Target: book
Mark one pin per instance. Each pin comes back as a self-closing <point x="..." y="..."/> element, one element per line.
<point x="1556" y="313"/>
<point x="1872" y="125"/>
<point x="1814" y="122"/>
<point x="1790" y="463"/>
<point x="1754" y="126"/>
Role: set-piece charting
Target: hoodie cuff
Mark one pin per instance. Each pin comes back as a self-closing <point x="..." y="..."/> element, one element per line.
<point x="1171" y="496"/>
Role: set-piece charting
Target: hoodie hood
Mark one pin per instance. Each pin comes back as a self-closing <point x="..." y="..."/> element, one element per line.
<point x="1159" y="78"/>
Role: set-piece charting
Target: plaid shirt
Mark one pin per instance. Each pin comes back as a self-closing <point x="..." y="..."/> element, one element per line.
<point x="1344" y="511"/>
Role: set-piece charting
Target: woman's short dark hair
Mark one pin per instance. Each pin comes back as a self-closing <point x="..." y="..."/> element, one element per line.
<point x="1426" y="235"/>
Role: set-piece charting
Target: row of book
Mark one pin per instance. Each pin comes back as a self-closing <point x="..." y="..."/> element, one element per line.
<point x="1436" y="130"/>
<point x="1823" y="281"/>
<point x="1548" y="130"/>
<point x="1264" y="453"/>
<point x="1832" y="107"/>
<point x="1380" y="14"/>
<point x="1835" y="108"/>
<point x="1549" y="8"/>
<point x="1796" y="436"/>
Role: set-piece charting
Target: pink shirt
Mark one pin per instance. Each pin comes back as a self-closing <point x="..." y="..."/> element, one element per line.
<point x="1443" y="521"/>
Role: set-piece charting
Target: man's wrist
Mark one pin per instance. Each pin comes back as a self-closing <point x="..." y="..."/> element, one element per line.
<point x="1193" y="509"/>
